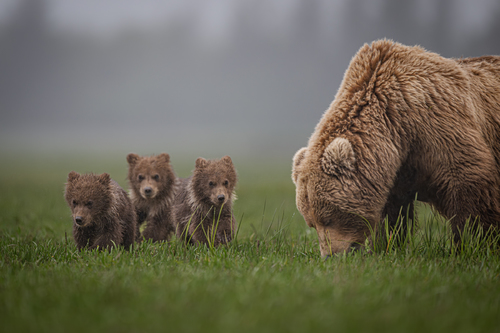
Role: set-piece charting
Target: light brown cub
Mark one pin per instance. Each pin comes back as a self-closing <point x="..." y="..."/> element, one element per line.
<point x="152" y="189"/>
<point x="203" y="207"/>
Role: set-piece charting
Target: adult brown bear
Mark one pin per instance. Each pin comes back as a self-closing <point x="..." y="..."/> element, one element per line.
<point x="404" y="122"/>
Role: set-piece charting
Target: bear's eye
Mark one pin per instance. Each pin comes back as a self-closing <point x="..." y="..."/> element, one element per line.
<point x="211" y="183"/>
<point x="156" y="177"/>
<point x="328" y="222"/>
<point x="74" y="202"/>
<point x="226" y="183"/>
<point x="141" y="178"/>
<point x="89" y="203"/>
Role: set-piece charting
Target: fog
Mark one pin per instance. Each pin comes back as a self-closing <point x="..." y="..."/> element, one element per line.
<point x="201" y="77"/>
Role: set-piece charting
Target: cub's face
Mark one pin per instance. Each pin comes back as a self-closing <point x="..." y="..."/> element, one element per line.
<point x="214" y="181"/>
<point x="329" y="198"/>
<point x="88" y="197"/>
<point x="150" y="176"/>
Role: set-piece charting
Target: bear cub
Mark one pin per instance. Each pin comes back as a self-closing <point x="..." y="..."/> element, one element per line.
<point x="203" y="206"/>
<point x="152" y="189"/>
<point x="103" y="215"/>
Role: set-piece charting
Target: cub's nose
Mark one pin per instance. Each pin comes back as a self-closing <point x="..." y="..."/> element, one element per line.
<point x="148" y="190"/>
<point x="221" y="197"/>
<point x="78" y="220"/>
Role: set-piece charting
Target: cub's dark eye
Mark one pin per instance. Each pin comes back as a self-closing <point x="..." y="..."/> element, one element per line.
<point x="327" y="222"/>
<point x="141" y="178"/>
<point x="89" y="203"/>
<point x="211" y="183"/>
<point x="156" y="177"/>
<point x="226" y="183"/>
<point x="74" y="202"/>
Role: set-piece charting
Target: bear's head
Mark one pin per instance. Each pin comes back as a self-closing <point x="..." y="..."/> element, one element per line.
<point x="213" y="182"/>
<point x="333" y="197"/>
<point x="150" y="177"/>
<point x="89" y="196"/>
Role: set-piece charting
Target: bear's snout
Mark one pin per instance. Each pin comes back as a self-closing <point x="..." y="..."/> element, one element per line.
<point x="78" y="220"/>
<point x="148" y="191"/>
<point x="221" y="197"/>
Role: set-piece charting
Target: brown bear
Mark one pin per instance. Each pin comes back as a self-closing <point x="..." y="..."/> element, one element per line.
<point x="103" y="215"/>
<point x="203" y="207"/>
<point x="405" y="123"/>
<point x="152" y="189"/>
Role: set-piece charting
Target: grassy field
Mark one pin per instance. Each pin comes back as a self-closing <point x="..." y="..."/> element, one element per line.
<point x="270" y="279"/>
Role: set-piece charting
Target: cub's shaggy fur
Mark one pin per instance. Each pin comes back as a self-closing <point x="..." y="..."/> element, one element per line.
<point x="203" y="207"/>
<point x="152" y="189"/>
<point x="103" y="215"/>
<point x="405" y="122"/>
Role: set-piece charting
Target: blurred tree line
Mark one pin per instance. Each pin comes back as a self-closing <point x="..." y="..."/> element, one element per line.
<point x="277" y="78"/>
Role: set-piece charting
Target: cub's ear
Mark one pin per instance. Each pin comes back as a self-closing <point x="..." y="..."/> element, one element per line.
<point x="73" y="176"/>
<point x="132" y="158"/>
<point x="201" y="163"/>
<point x="226" y="159"/>
<point x="164" y="157"/>
<point x="297" y="159"/>
<point x="338" y="158"/>
<point x="104" y="179"/>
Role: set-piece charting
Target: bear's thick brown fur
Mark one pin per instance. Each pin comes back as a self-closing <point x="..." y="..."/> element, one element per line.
<point x="152" y="189"/>
<point x="203" y="207"/>
<point x="405" y="122"/>
<point x="103" y="215"/>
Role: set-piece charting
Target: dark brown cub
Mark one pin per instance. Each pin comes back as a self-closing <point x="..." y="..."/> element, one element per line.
<point x="103" y="215"/>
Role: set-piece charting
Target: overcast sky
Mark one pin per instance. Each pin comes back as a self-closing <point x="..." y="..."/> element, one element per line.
<point x="217" y="76"/>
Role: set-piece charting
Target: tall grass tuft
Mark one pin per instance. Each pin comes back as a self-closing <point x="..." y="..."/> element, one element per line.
<point x="434" y="239"/>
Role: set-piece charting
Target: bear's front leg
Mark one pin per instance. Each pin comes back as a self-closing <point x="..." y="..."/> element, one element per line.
<point x="106" y="241"/>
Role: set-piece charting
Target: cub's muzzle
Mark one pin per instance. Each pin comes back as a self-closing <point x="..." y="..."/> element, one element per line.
<point x="79" y="220"/>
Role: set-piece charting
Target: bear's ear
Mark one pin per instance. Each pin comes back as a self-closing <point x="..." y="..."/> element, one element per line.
<point x="132" y="158"/>
<point x="73" y="176"/>
<point x="297" y="159"/>
<point x="164" y="157"/>
<point x="201" y="163"/>
<point x="104" y="179"/>
<point x="226" y="159"/>
<point x="338" y="157"/>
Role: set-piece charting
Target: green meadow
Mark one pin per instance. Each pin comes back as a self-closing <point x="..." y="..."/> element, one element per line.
<point x="271" y="278"/>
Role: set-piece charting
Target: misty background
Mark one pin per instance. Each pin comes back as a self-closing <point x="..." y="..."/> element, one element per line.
<point x="201" y="77"/>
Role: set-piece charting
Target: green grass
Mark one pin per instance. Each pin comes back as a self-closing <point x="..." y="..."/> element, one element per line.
<point x="270" y="279"/>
